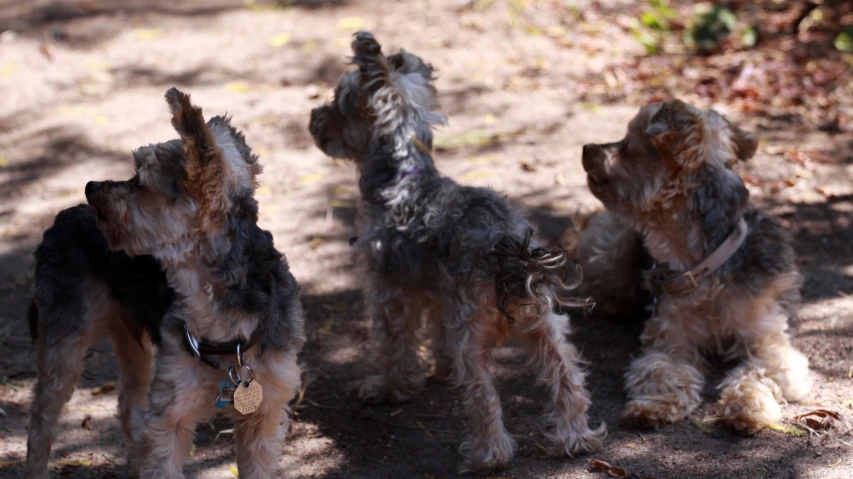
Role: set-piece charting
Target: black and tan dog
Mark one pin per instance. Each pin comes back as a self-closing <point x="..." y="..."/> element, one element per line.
<point x="458" y="256"/>
<point x="724" y="274"/>
<point x="172" y="257"/>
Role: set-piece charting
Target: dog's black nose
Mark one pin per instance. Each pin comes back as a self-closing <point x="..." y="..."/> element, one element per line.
<point x="590" y="150"/>
<point x="590" y="153"/>
<point x="92" y="187"/>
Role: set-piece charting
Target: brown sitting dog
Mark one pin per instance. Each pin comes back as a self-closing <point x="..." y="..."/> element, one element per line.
<point x="724" y="275"/>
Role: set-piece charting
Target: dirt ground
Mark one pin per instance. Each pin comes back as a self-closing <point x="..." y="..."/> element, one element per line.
<point x="82" y="84"/>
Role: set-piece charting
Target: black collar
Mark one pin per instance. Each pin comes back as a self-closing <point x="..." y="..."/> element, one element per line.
<point x="204" y="349"/>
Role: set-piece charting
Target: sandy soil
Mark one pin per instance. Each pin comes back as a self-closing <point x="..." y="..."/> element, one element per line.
<point x="82" y="84"/>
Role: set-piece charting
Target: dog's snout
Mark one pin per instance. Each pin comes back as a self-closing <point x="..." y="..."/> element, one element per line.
<point x="316" y="119"/>
<point x="591" y="155"/>
<point x="92" y="187"/>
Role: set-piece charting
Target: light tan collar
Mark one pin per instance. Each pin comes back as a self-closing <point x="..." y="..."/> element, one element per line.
<point x="685" y="283"/>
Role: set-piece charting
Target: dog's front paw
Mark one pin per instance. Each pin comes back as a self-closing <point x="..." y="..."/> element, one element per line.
<point x="653" y="412"/>
<point x="373" y="390"/>
<point x="576" y="441"/>
<point x="486" y="455"/>
<point x="750" y="405"/>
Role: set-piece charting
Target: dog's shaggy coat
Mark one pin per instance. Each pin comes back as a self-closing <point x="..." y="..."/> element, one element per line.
<point x="190" y="210"/>
<point x="671" y="180"/>
<point x="459" y="257"/>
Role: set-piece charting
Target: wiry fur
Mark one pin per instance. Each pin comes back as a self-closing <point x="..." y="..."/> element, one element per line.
<point x="177" y="244"/>
<point x="671" y="180"/>
<point x="425" y="244"/>
<point x="613" y="259"/>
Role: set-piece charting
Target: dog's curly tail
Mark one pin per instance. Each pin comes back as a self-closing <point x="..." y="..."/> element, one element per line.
<point x="540" y="278"/>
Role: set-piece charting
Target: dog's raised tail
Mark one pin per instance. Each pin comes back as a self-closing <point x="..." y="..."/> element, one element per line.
<point x="533" y="280"/>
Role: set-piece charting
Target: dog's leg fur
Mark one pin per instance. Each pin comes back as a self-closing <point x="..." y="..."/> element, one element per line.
<point x="773" y="371"/>
<point x="260" y="435"/>
<point x="396" y="317"/>
<point x="136" y="362"/>
<point x="440" y="350"/>
<point x="181" y="395"/>
<point x="663" y="384"/>
<point x="467" y="327"/>
<point x="60" y="365"/>
<point x="136" y="359"/>
<point x="559" y="367"/>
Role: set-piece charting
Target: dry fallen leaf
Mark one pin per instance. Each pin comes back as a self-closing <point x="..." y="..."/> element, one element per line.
<point x="237" y="87"/>
<point x="87" y="422"/>
<point x="420" y="425"/>
<point x="8" y="68"/>
<point x="233" y="470"/>
<point x="395" y="413"/>
<point x="105" y="388"/>
<point x="793" y="431"/>
<point x="350" y="23"/>
<point x="307" y="180"/>
<point x="279" y="40"/>
<point x="342" y="204"/>
<point x="309" y="46"/>
<point x="819" y="419"/>
<point x="476" y="175"/>
<point x="147" y="33"/>
<point x="541" y="448"/>
<point x="701" y="426"/>
<point x="45" y="50"/>
<point x="317" y="241"/>
<point x="73" y="463"/>
<point x="612" y="471"/>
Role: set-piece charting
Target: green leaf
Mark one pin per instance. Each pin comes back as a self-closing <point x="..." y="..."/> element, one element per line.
<point x="728" y="18"/>
<point x="649" y="41"/>
<point x="749" y="37"/>
<point x="844" y="41"/>
<point x="654" y="21"/>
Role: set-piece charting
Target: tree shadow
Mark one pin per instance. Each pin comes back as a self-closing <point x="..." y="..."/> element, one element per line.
<point x="55" y="19"/>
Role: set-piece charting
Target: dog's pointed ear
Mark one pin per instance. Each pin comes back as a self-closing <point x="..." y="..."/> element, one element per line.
<point x="372" y="64"/>
<point x="197" y="141"/>
<point x="665" y="125"/>
<point x="209" y="175"/>
<point x="745" y="143"/>
<point x="676" y="131"/>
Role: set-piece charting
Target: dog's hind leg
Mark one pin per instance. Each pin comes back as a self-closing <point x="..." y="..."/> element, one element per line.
<point x="468" y="341"/>
<point x="397" y="317"/>
<point x="559" y="367"/>
<point x="64" y="335"/>
<point x="135" y="355"/>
